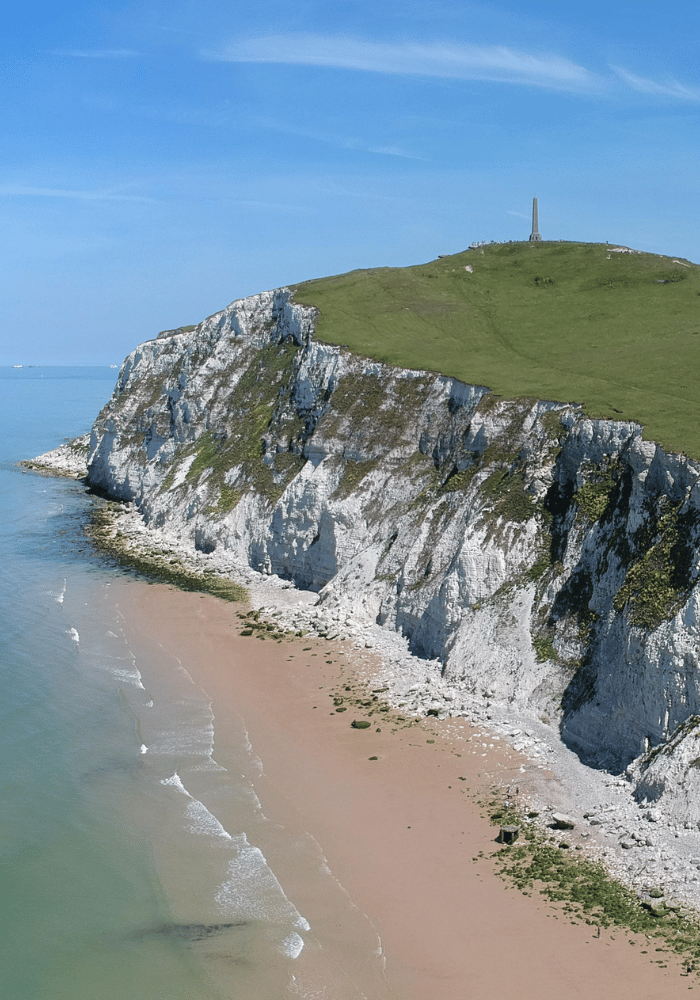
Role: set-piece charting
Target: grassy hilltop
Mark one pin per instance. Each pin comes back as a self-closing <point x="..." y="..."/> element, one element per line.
<point x="618" y="332"/>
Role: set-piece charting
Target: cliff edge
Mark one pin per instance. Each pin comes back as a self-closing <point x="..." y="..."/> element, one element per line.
<point x="540" y="559"/>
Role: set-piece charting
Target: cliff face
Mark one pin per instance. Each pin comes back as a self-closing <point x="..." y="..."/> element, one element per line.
<point x="547" y="560"/>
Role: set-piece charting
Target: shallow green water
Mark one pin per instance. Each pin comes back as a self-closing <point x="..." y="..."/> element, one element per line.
<point x="117" y="879"/>
<point x="77" y="884"/>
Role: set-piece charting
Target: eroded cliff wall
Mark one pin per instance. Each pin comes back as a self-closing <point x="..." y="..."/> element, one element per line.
<point x="546" y="559"/>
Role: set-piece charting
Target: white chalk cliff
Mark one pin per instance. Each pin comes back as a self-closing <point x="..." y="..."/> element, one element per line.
<point x="549" y="561"/>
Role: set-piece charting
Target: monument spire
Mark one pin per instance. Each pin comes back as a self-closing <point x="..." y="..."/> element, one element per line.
<point x="535" y="234"/>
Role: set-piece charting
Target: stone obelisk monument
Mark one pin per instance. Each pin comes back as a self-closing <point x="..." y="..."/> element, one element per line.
<point x="535" y="234"/>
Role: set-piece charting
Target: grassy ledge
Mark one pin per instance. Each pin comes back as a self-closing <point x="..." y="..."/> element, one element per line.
<point x="543" y="861"/>
<point x="615" y="330"/>
<point x="105" y="534"/>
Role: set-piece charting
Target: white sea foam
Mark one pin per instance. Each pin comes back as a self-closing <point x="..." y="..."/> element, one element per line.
<point x="128" y="676"/>
<point x="175" y="781"/>
<point x="58" y="595"/>
<point x="253" y="757"/>
<point x="187" y="739"/>
<point x="208" y="764"/>
<point x="252" y="891"/>
<point x="201" y="819"/>
<point x="73" y="633"/>
<point x="293" y="945"/>
<point x="184" y="671"/>
<point x="193" y="737"/>
<point x="205" y="822"/>
<point x="123" y="667"/>
<point x="144" y="748"/>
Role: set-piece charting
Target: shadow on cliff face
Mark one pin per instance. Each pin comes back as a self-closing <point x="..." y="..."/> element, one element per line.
<point x="604" y="505"/>
<point x="632" y="579"/>
<point x="310" y="566"/>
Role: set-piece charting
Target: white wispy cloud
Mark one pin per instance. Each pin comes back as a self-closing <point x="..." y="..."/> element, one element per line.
<point x="339" y="140"/>
<point x="97" y="53"/>
<point x="671" y="88"/>
<point x="21" y="190"/>
<point x="437" y="59"/>
<point x="273" y="206"/>
<point x="394" y="151"/>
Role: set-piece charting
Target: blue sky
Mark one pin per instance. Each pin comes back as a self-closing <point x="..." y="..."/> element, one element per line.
<point x="162" y="159"/>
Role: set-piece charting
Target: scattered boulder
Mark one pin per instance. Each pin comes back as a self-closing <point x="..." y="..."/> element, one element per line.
<point x="655" y="906"/>
<point x="563" y="822"/>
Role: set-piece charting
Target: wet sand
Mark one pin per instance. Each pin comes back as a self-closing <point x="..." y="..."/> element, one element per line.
<point x="398" y="833"/>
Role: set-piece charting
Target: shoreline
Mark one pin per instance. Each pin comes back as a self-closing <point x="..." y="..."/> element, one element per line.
<point x="635" y="843"/>
<point x="398" y="832"/>
<point x="610" y="826"/>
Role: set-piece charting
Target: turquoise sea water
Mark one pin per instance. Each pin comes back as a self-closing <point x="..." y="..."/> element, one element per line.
<point x="117" y="880"/>
<point x="76" y="885"/>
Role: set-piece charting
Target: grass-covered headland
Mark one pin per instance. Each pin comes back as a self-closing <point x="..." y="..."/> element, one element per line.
<point x="617" y="331"/>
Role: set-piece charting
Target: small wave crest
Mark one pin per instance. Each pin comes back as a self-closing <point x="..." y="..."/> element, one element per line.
<point x="176" y="782"/>
<point x="293" y="945"/>
<point x="250" y="891"/>
<point x="58" y="595"/>
<point x="205" y="822"/>
<point x="192" y="737"/>
<point x="127" y="676"/>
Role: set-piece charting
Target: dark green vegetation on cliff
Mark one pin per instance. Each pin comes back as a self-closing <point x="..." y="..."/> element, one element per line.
<point x="158" y="564"/>
<point x="618" y="332"/>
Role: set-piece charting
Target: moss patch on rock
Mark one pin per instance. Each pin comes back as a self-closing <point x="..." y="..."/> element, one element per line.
<point x="594" y="497"/>
<point x="239" y="456"/>
<point x="353" y="475"/>
<point x="586" y="890"/>
<point x="154" y="565"/>
<point x="657" y="584"/>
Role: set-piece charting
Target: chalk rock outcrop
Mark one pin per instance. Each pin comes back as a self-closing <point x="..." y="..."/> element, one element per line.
<point x="669" y="776"/>
<point x="543" y="559"/>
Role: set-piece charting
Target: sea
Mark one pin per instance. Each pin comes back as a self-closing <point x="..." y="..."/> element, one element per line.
<point x="108" y="780"/>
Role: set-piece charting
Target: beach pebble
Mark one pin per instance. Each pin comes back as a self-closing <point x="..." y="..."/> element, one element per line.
<point x="563" y="822"/>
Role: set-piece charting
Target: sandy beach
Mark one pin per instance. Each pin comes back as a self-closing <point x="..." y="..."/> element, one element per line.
<point x="399" y="833"/>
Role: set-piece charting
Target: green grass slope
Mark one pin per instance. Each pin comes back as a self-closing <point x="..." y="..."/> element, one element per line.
<point x="618" y="332"/>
